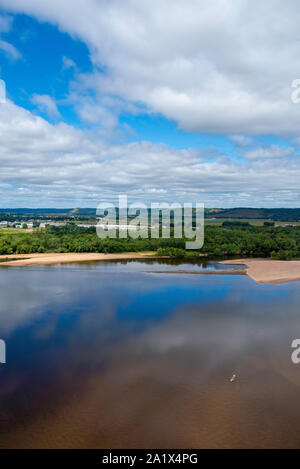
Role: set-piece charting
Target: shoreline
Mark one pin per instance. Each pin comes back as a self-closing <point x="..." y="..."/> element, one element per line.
<point x="52" y="258"/>
<point x="199" y="272"/>
<point x="260" y="270"/>
<point x="268" y="270"/>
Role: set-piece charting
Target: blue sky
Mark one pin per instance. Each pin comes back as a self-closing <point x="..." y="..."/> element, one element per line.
<point x="41" y="71"/>
<point x="127" y="103"/>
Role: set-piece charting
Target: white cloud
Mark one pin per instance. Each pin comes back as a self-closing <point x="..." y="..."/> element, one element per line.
<point x="226" y="73"/>
<point x="59" y="165"/>
<point x="223" y="66"/>
<point x="270" y="151"/>
<point x="241" y="140"/>
<point x="11" y="51"/>
<point x="46" y="104"/>
<point x="68" y="63"/>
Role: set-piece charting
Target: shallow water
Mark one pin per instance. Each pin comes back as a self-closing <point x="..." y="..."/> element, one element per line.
<point x="108" y="355"/>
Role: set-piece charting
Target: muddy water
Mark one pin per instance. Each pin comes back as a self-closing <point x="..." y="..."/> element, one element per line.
<point x="108" y="355"/>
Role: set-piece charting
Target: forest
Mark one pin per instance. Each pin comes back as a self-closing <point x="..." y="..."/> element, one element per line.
<point x="219" y="241"/>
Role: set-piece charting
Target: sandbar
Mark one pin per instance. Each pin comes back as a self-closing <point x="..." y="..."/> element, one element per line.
<point x="69" y="257"/>
<point x="268" y="270"/>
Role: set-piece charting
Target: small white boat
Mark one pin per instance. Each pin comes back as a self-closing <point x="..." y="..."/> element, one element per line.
<point x="233" y="378"/>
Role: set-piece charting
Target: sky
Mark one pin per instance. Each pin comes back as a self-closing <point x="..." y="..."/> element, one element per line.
<point x="169" y="101"/>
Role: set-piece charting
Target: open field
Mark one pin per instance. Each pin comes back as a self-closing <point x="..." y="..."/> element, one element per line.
<point x="208" y="222"/>
<point x="13" y="231"/>
<point x="251" y="221"/>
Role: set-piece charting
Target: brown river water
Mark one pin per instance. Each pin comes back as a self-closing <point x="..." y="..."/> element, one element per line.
<point x="106" y="355"/>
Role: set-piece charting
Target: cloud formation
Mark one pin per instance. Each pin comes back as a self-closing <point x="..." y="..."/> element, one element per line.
<point x="223" y="67"/>
<point x="67" y="63"/>
<point x="46" y="104"/>
<point x="269" y="151"/>
<point x="59" y="165"/>
<point x="10" y="50"/>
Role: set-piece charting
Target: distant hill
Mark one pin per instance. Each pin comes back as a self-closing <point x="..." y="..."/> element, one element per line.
<point x="49" y="211"/>
<point x="275" y="214"/>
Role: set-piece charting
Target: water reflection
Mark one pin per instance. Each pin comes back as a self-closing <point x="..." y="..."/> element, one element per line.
<point x="99" y="356"/>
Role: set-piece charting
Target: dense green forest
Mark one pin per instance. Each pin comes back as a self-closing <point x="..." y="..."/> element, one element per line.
<point x="220" y="241"/>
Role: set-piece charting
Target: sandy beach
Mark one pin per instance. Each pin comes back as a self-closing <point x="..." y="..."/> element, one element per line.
<point x="269" y="271"/>
<point x="64" y="258"/>
<point x="259" y="270"/>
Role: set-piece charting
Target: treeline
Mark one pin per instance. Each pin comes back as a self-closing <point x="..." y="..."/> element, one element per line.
<point x="71" y="238"/>
<point x="235" y="223"/>
<point x="219" y="241"/>
<point x="252" y="241"/>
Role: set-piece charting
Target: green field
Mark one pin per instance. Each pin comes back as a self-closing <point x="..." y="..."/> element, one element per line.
<point x="254" y="221"/>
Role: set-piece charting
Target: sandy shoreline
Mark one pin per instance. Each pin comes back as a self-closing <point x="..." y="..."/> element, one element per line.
<point x="199" y="272"/>
<point x="259" y="270"/>
<point x="69" y="257"/>
<point x="269" y="271"/>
